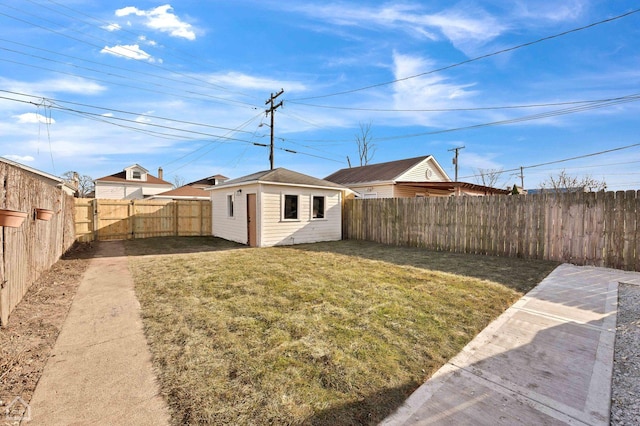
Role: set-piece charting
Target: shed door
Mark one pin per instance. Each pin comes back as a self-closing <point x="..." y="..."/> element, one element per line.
<point x="251" y="220"/>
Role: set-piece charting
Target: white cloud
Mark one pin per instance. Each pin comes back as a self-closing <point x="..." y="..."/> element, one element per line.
<point x="129" y="51"/>
<point x="244" y="81"/>
<point x="162" y="19"/>
<point x="567" y="10"/>
<point x="19" y="158"/>
<point x="432" y="91"/>
<point x="75" y="85"/>
<point x="464" y="26"/>
<point x="32" y="117"/>
<point x="112" y="27"/>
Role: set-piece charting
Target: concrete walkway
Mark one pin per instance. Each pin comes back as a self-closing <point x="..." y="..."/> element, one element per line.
<point x="546" y="361"/>
<point x="100" y="369"/>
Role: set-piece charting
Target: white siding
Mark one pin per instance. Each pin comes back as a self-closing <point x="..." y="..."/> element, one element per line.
<point x="380" y="191"/>
<point x="273" y="230"/>
<point x="111" y="191"/>
<point x="231" y="228"/>
<point x="418" y="173"/>
<point x="121" y="191"/>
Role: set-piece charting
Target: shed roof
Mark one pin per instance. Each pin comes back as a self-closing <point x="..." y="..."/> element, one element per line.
<point x="375" y="172"/>
<point x="280" y="176"/>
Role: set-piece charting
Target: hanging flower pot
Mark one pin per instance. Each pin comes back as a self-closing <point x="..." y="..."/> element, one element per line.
<point x="11" y="218"/>
<point x="44" y="214"/>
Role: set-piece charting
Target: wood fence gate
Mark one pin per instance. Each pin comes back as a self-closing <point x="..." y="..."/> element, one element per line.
<point x="100" y="220"/>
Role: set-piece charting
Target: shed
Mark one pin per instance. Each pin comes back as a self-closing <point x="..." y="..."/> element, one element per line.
<point x="277" y="207"/>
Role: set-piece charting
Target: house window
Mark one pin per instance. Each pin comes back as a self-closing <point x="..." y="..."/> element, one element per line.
<point x="230" y="205"/>
<point x="136" y="175"/>
<point x="290" y="210"/>
<point x="318" y="207"/>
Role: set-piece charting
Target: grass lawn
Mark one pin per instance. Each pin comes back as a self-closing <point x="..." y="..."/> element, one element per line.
<point x="331" y="333"/>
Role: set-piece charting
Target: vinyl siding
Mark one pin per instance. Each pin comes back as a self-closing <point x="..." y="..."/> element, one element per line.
<point x="231" y="228"/>
<point x="418" y="173"/>
<point x="381" y="191"/>
<point x="271" y="229"/>
<point x="119" y="191"/>
<point x="276" y="231"/>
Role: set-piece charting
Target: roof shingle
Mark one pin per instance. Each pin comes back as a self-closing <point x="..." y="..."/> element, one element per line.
<point x="374" y="172"/>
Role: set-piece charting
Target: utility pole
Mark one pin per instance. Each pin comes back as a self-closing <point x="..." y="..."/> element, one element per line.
<point x="272" y="109"/>
<point x="522" y="177"/>
<point x="455" y="159"/>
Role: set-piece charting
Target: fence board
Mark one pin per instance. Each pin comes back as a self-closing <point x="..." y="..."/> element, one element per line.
<point x="29" y="250"/>
<point x="126" y="219"/>
<point x="583" y="228"/>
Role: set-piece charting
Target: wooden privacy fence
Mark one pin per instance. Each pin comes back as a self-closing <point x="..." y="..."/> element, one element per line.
<point x="598" y="229"/>
<point x="30" y="249"/>
<point x="99" y="220"/>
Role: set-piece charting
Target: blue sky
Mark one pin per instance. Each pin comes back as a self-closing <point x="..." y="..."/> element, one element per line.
<point x="97" y="86"/>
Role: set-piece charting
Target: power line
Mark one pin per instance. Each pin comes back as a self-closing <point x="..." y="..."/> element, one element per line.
<point x="477" y="58"/>
<point x="220" y="139"/>
<point x="549" y="114"/>
<point x="119" y="111"/>
<point x="102" y="65"/>
<point x="502" y="107"/>
<point x="137" y="36"/>
<point x="100" y="47"/>
<point x="564" y="160"/>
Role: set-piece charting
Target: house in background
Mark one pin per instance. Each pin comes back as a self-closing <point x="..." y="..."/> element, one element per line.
<point x="192" y="191"/>
<point x="133" y="183"/>
<point x="277" y="207"/>
<point x="411" y="177"/>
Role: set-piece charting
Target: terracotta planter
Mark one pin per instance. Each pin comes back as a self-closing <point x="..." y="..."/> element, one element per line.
<point x="44" y="214"/>
<point x="11" y="218"/>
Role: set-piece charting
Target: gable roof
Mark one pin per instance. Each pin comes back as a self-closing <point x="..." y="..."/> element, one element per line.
<point x="122" y="177"/>
<point x="388" y="171"/>
<point x="280" y="176"/>
<point x="137" y="166"/>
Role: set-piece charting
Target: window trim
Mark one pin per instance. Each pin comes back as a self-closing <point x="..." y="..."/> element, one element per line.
<point x="324" y="207"/>
<point x="283" y="207"/>
<point x="231" y="201"/>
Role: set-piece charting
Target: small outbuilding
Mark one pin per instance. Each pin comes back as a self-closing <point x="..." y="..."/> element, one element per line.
<point x="277" y="207"/>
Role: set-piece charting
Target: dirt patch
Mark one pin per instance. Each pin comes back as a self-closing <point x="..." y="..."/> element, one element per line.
<point x="27" y="340"/>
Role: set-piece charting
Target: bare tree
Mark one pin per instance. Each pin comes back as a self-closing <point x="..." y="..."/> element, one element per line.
<point x="366" y="148"/>
<point x="564" y="182"/>
<point x="178" y="181"/>
<point x="84" y="183"/>
<point x="488" y="177"/>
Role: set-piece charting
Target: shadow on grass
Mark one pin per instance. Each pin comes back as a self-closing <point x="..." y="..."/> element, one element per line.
<point x="518" y="274"/>
<point x="150" y="246"/>
<point x="169" y="245"/>
<point x="369" y="411"/>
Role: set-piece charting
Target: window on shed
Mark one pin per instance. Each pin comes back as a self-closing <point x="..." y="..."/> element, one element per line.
<point x="318" y="207"/>
<point x="230" y="205"/>
<point x="290" y="207"/>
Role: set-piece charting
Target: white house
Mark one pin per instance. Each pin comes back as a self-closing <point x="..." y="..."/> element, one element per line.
<point x="277" y="207"/>
<point x="411" y="177"/>
<point x="133" y="183"/>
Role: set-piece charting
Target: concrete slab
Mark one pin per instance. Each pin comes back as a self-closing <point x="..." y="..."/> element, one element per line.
<point x="100" y="369"/>
<point x="547" y="360"/>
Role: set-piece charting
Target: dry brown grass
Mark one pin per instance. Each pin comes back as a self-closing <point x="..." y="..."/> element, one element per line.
<point x="28" y="339"/>
<point x="334" y="333"/>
